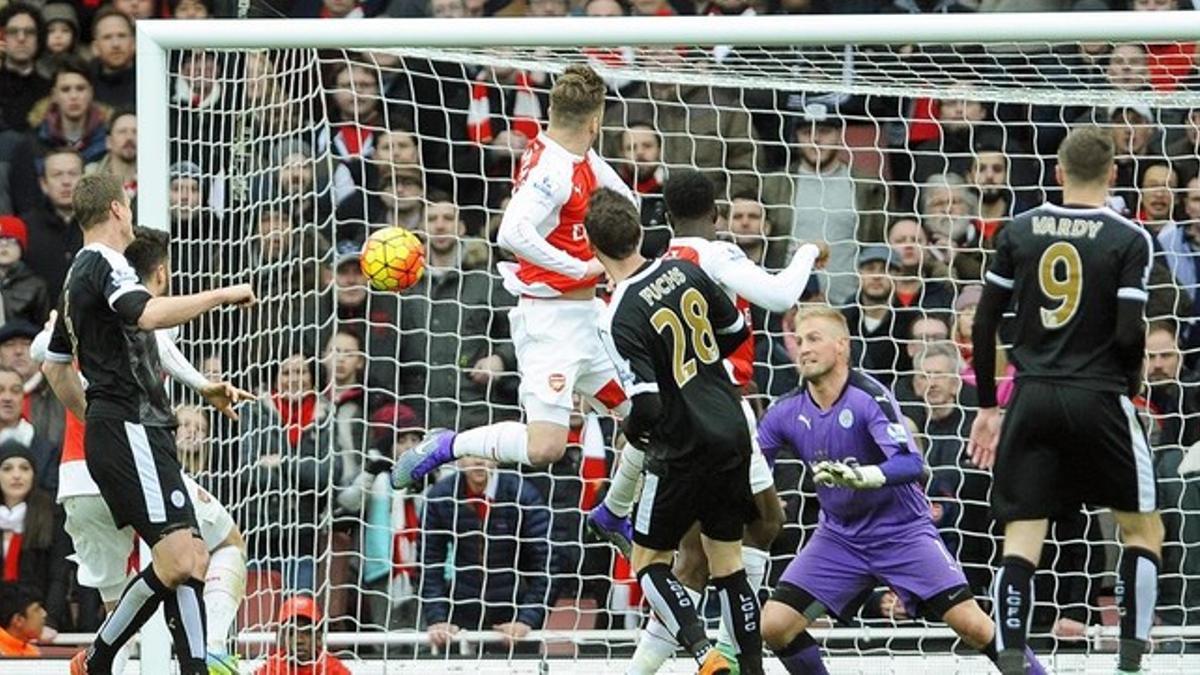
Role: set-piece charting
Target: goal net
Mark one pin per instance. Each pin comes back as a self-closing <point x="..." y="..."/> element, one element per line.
<point x="907" y="159"/>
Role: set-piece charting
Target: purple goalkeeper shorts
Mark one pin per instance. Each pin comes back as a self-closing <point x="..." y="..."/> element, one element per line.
<point x="841" y="573"/>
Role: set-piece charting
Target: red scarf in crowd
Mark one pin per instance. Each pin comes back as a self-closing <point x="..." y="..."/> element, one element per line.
<point x="12" y="559"/>
<point x="296" y="417"/>
<point x="526" y="112"/>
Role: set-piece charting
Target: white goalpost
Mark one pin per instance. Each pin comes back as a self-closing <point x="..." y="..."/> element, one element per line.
<point x="280" y="123"/>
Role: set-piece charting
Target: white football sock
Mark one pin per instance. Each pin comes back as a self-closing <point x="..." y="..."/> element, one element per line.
<point x="656" y="644"/>
<point x="224" y="589"/>
<point x="754" y="561"/>
<point x="503" y="442"/>
<point x="623" y="489"/>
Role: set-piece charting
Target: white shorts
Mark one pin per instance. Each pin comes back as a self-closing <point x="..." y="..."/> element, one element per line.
<point x="559" y="353"/>
<point x="102" y="551"/>
<point x="761" y="477"/>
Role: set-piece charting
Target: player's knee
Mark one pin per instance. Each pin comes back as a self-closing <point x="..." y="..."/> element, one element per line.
<point x="1144" y="530"/>
<point x="778" y="626"/>
<point x="545" y="448"/>
<point x="174" y="558"/>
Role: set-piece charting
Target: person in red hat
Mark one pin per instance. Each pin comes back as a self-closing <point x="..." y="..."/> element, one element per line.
<point x="299" y="649"/>
<point x="23" y="293"/>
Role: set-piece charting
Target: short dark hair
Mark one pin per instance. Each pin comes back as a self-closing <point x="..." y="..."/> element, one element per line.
<point x="18" y="8"/>
<point x="689" y="195"/>
<point x="94" y="195"/>
<point x="1086" y="154"/>
<point x="15" y="600"/>
<point x="612" y="224"/>
<point x="69" y="64"/>
<point x="118" y="114"/>
<point x="435" y="195"/>
<point x="149" y="249"/>
<point x="107" y="11"/>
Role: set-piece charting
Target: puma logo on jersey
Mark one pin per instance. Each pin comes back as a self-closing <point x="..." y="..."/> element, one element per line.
<point x="804" y="419"/>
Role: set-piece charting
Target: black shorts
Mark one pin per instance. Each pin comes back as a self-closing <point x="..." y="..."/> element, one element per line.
<point x="139" y="477"/>
<point x="675" y="497"/>
<point x="1063" y="446"/>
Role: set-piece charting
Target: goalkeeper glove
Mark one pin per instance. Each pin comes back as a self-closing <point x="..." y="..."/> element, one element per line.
<point x="848" y="474"/>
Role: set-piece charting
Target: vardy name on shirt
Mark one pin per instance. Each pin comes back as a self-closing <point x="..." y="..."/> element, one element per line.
<point x="1066" y="227"/>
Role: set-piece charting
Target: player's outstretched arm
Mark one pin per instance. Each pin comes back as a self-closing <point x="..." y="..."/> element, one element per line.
<point x="985" y="430"/>
<point x="773" y="292"/>
<point x="533" y="204"/>
<point x="175" y="310"/>
<point x="220" y="395"/>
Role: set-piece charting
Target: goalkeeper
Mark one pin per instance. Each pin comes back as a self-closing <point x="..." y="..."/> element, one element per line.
<point x="875" y="526"/>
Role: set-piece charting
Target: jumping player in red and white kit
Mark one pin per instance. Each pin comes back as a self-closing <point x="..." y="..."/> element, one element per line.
<point x="102" y="551"/>
<point x="691" y="212"/>
<point x="554" y="323"/>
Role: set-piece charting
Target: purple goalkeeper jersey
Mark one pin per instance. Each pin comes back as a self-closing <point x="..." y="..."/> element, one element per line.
<point x="863" y="424"/>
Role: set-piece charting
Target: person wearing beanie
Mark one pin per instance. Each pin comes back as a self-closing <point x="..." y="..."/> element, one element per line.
<point x="33" y="544"/>
<point x="62" y="36"/>
<point x="23" y="294"/>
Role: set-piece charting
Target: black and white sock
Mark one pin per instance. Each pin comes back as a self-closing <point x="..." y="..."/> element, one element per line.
<point x="739" y="611"/>
<point x="1137" y="593"/>
<point x="670" y="600"/>
<point x="184" y="610"/>
<point x="1013" y="603"/>
<point x="140" y="598"/>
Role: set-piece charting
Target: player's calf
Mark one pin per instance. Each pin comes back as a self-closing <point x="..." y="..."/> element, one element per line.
<point x="785" y="631"/>
<point x="1137" y="584"/>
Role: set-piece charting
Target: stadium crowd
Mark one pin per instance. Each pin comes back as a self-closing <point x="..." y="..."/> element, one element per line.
<point x="273" y="183"/>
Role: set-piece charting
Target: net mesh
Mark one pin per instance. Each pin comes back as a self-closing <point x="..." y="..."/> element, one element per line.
<point x="284" y="160"/>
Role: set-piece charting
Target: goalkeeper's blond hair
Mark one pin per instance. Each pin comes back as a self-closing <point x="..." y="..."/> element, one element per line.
<point x="827" y="313"/>
<point x="577" y="96"/>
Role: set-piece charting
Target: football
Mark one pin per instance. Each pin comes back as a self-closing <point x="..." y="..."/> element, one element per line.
<point x="393" y="259"/>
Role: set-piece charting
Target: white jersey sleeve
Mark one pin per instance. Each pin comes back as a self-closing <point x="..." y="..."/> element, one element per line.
<point x="608" y="176"/>
<point x="532" y="213"/>
<point x="728" y="266"/>
<point x="173" y="361"/>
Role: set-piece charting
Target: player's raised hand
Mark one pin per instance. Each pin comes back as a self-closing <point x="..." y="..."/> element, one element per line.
<point x="241" y="295"/>
<point x="823" y="256"/>
<point x="223" y="396"/>
<point x="985" y="432"/>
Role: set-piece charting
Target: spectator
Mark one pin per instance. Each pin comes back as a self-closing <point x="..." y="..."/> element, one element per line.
<point x="391" y="527"/>
<point x="13" y="427"/>
<point x="643" y="171"/>
<point x="396" y="199"/>
<point x="948" y="213"/>
<point x="191" y="9"/>
<point x="372" y="315"/>
<point x="924" y="331"/>
<point x="1133" y="130"/>
<point x="485" y="554"/>
<point x="22" y="293"/>
<point x="1156" y="197"/>
<point x="53" y="236"/>
<point x="33" y="543"/>
<point x="834" y="202"/>
<point x="22" y="620"/>
<point x="396" y="147"/>
<point x="192" y="443"/>
<point x="357" y="112"/>
<point x="136" y="9"/>
<point x="62" y="37"/>
<point x="113" y="71"/>
<point x="989" y="176"/>
<point x="965" y="522"/>
<point x="1127" y="67"/>
<point x="456" y="360"/>
<point x="121" y="158"/>
<point x="883" y="313"/>
<point x="287" y="474"/>
<point x="18" y="173"/>
<point x="547" y="8"/>
<point x="346" y="396"/>
<point x="299" y="649"/>
<point x="508" y="107"/>
<point x="1184" y="151"/>
<point x="1180" y="243"/>
<point x="962" y="126"/>
<point x="1173" y="390"/>
<point x="42" y="408"/>
<point x="304" y="184"/>
<point x="70" y="117"/>
<point x="21" y="85"/>
<point x="185" y="198"/>
<point x="748" y="225"/>
<point x="198" y="103"/>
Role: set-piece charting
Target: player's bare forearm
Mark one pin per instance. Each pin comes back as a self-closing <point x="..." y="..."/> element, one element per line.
<point x="64" y="382"/>
<point x="171" y="311"/>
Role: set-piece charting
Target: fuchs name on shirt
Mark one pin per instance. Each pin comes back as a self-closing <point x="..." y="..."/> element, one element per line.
<point x="1066" y="227"/>
<point x="662" y="285"/>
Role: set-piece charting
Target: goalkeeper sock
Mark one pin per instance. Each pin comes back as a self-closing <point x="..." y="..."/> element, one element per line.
<point x="1137" y="592"/>
<point x="739" y="611"/>
<point x="224" y="589"/>
<point x="656" y="644"/>
<point x="1013" y="602"/>
<point x="184" y="610"/>
<point x="622" y="490"/>
<point x="802" y="656"/>
<point x="503" y="442"/>
<point x="142" y="596"/>
<point x="754" y="561"/>
<point x="674" y="606"/>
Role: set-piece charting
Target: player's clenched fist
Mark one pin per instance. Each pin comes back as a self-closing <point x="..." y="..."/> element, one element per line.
<point x="241" y="295"/>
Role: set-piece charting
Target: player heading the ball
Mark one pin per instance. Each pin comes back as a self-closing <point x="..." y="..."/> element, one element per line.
<point x="554" y="322"/>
